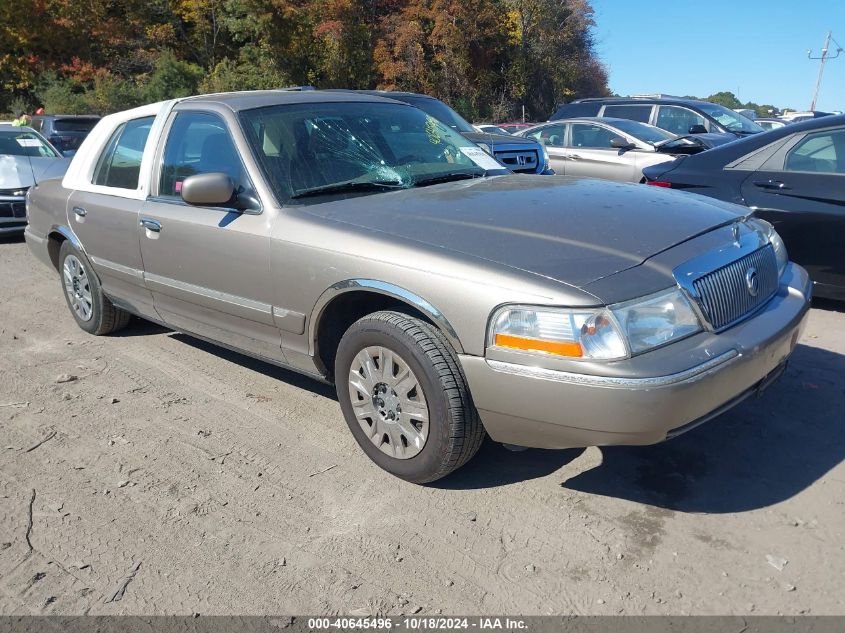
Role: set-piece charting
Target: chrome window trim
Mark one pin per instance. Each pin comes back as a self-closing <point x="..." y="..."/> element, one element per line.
<point x="614" y="382"/>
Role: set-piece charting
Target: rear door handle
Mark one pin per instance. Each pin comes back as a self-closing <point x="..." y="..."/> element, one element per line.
<point x="771" y="184"/>
<point x="151" y="225"/>
<point x="80" y="212"/>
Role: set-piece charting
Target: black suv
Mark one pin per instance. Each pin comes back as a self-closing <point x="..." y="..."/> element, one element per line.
<point x="674" y="114"/>
<point x="65" y="131"/>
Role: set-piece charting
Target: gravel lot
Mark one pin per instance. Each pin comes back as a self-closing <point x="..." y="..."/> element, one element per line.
<point x="178" y="478"/>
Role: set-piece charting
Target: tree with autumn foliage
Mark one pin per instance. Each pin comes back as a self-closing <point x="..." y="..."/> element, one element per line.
<point x="487" y="58"/>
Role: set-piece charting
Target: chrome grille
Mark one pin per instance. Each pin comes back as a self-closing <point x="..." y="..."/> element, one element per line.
<point x="725" y="295"/>
<point x="518" y="160"/>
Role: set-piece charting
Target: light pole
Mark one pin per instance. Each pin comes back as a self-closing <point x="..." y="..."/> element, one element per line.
<point x="823" y="59"/>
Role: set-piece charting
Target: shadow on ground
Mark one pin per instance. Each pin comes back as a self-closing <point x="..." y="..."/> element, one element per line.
<point x="829" y="305"/>
<point x="268" y="369"/>
<point x="763" y="452"/>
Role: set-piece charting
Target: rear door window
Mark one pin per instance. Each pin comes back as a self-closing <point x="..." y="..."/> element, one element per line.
<point x="576" y="110"/>
<point x="823" y="152"/>
<point x="120" y="163"/>
<point x="641" y="113"/>
<point x="591" y="136"/>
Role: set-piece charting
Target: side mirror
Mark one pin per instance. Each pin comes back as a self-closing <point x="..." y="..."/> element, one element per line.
<point x="617" y="142"/>
<point x="211" y="190"/>
<point x="697" y="129"/>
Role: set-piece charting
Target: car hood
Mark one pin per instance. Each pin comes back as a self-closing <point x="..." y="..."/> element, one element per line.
<point x="572" y="230"/>
<point x="21" y="172"/>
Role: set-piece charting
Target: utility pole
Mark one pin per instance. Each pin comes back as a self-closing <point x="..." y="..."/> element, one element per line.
<point x="823" y="59"/>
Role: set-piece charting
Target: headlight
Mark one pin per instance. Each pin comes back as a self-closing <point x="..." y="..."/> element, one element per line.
<point x="780" y="250"/>
<point x="588" y="334"/>
<point x="609" y="333"/>
<point x="656" y="320"/>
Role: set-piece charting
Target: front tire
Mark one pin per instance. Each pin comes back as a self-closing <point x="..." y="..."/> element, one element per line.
<point x="92" y="310"/>
<point x="405" y="398"/>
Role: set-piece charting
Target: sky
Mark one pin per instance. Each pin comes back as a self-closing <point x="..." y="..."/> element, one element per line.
<point x="756" y="49"/>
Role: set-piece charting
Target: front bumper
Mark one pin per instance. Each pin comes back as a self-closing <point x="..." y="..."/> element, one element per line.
<point x="547" y="408"/>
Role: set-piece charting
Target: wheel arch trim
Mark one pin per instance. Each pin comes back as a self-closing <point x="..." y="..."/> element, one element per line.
<point x="68" y="234"/>
<point x="386" y="289"/>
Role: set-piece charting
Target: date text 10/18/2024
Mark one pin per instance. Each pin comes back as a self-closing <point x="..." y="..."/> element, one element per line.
<point x="419" y="623"/>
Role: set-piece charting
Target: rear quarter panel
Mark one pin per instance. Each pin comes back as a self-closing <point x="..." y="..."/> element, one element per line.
<point x="46" y="207"/>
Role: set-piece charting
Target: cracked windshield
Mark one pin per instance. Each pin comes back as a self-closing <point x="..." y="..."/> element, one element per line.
<point x="341" y="148"/>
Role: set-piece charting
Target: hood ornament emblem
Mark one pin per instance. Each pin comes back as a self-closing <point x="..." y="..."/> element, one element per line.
<point x="752" y="281"/>
<point x="735" y="230"/>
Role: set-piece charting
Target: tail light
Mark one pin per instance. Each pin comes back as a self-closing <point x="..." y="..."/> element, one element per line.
<point x="659" y="183"/>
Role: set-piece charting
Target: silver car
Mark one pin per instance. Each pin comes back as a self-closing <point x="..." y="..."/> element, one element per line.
<point x="360" y="241"/>
<point x="25" y="156"/>
<point x="613" y="149"/>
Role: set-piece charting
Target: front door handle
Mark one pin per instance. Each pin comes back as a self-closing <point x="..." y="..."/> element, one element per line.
<point x="574" y="156"/>
<point x="151" y="225"/>
<point x="771" y="184"/>
<point x="79" y="211"/>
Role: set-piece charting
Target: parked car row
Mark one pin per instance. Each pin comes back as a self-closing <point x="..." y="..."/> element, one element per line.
<point x="615" y="149"/>
<point x="365" y="243"/>
<point x="673" y="114"/>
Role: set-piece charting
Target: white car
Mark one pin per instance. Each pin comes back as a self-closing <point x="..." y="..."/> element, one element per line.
<point x="610" y="148"/>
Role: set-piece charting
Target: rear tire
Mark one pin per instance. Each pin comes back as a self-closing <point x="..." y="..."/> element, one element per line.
<point x="92" y="310"/>
<point x="405" y="398"/>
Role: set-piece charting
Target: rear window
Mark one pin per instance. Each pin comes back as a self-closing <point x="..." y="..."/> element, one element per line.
<point x="641" y="113"/>
<point x="576" y="110"/>
<point x="120" y="164"/>
<point x="74" y="125"/>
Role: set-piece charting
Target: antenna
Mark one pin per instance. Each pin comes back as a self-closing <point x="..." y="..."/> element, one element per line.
<point x="823" y="59"/>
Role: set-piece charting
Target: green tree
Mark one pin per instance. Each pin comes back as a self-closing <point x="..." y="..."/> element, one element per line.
<point x="254" y="69"/>
<point x="171" y="79"/>
<point x="727" y="99"/>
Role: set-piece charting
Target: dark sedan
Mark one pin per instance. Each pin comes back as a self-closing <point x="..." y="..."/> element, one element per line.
<point x="794" y="177"/>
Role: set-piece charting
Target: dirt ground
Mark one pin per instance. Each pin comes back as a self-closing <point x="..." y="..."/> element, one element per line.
<point x="172" y="477"/>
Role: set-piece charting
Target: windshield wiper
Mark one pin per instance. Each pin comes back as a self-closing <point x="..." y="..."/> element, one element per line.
<point x="457" y="175"/>
<point x="352" y="185"/>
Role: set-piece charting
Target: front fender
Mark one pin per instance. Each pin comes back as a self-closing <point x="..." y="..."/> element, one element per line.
<point x="386" y="289"/>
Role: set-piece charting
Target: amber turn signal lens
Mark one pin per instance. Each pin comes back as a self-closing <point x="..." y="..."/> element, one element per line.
<point x="559" y="348"/>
